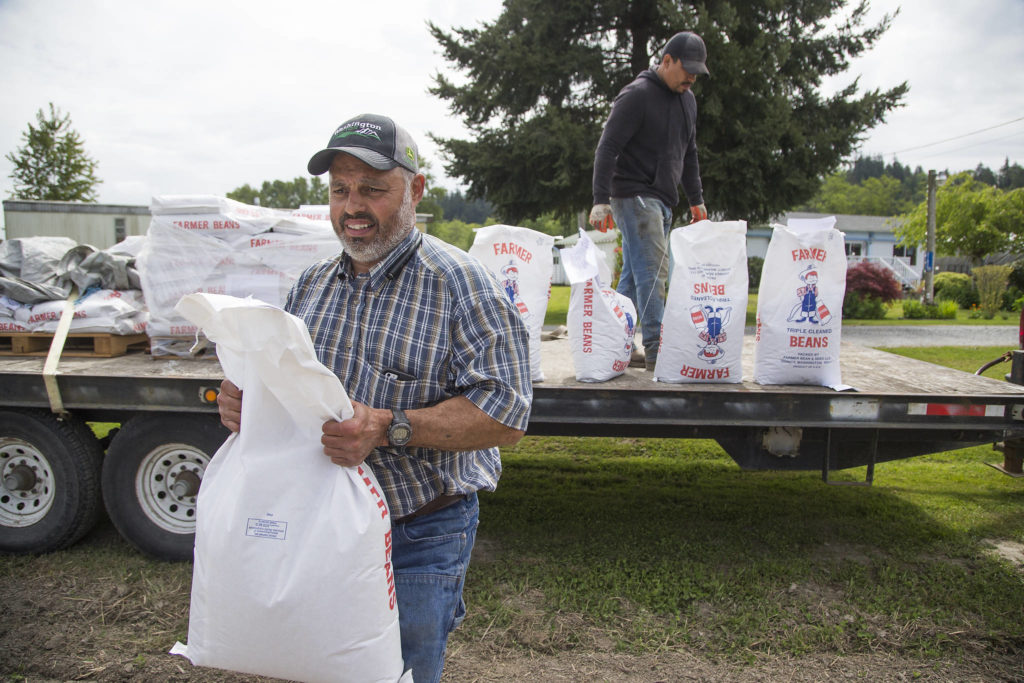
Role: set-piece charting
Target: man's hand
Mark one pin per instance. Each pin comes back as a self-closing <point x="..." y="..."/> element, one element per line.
<point x="348" y="443"/>
<point x="229" y="405"/>
<point x="698" y="213"/>
<point x="601" y="217"/>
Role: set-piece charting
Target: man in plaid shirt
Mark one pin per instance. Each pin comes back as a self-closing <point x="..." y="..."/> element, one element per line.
<point x="435" y="360"/>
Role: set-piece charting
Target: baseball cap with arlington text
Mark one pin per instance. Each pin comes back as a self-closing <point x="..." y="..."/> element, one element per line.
<point x="688" y="47"/>
<point x="375" y="140"/>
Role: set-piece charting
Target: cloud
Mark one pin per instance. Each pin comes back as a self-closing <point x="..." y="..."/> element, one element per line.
<point x="963" y="63"/>
<point x="201" y="97"/>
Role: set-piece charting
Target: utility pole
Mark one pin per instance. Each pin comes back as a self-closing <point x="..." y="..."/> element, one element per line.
<point x="929" y="254"/>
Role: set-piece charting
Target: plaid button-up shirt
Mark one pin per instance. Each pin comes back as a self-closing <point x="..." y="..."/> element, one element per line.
<point x="427" y="323"/>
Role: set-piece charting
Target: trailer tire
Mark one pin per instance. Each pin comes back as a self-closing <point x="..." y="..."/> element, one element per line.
<point x="151" y="479"/>
<point x="49" y="481"/>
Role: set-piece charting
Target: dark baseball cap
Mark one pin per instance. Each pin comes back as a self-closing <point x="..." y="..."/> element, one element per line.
<point x="688" y="47"/>
<point x="375" y="140"/>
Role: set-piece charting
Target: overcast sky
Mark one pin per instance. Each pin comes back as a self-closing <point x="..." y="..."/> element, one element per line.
<point x="182" y="97"/>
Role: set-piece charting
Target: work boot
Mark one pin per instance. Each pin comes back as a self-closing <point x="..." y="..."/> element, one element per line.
<point x="636" y="357"/>
<point x="650" y="360"/>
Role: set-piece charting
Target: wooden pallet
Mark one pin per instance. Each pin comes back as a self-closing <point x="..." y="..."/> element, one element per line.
<point x="180" y="348"/>
<point x="78" y="344"/>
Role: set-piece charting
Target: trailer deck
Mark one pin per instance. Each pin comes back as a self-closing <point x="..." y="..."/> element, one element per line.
<point x="53" y="468"/>
<point x="888" y="391"/>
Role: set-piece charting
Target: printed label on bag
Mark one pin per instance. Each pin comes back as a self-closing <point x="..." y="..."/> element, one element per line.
<point x="266" y="528"/>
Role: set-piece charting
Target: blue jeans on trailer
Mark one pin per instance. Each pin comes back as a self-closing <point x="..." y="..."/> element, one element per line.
<point x="645" y="223"/>
<point x="430" y="556"/>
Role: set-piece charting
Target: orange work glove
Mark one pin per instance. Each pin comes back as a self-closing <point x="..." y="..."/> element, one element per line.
<point x="601" y="217"/>
<point x="698" y="213"/>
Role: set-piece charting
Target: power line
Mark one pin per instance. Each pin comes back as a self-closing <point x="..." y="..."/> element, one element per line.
<point x="972" y="145"/>
<point x="958" y="137"/>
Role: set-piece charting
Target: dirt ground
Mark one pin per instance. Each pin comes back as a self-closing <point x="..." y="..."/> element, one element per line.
<point x="80" y="621"/>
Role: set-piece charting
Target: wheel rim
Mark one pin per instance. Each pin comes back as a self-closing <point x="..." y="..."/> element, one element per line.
<point x="27" y="487"/>
<point x="167" y="485"/>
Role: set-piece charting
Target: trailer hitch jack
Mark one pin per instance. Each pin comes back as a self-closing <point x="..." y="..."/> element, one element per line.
<point x="1013" y="457"/>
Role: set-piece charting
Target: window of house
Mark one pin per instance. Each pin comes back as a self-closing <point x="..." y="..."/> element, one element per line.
<point x="909" y="253"/>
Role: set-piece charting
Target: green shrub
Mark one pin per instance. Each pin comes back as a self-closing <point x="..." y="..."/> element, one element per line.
<point x="1016" y="279"/>
<point x="755" y="264"/>
<point x="1011" y="297"/>
<point x="940" y="310"/>
<point x="947" y="309"/>
<point x="913" y="310"/>
<point x="857" y="306"/>
<point x="991" y="285"/>
<point x="957" y="287"/>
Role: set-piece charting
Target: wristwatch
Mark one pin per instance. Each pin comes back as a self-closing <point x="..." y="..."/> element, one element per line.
<point x="400" y="431"/>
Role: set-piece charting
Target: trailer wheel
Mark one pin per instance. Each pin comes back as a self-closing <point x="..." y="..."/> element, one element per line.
<point x="49" y="481"/>
<point x="151" y="479"/>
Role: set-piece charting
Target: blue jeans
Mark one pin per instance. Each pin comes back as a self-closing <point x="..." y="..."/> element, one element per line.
<point x="645" y="223"/>
<point x="431" y="556"/>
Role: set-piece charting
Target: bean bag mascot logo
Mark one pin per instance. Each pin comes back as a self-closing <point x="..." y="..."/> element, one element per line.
<point x="510" y="284"/>
<point x="809" y="309"/>
<point x="710" y="323"/>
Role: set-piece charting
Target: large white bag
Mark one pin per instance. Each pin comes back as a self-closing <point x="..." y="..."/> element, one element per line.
<point x="601" y="321"/>
<point x="292" y="574"/>
<point x="706" y="308"/>
<point x="800" y="305"/>
<point x="523" y="262"/>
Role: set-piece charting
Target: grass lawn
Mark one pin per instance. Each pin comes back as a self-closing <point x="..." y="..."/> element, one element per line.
<point x="663" y="543"/>
<point x="659" y="543"/>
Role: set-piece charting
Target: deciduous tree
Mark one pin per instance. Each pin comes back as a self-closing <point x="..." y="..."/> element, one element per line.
<point x="283" y="194"/>
<point x="972" y="219"/>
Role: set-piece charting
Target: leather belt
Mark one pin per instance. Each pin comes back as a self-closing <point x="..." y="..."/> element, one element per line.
<point x="439" y="503"/>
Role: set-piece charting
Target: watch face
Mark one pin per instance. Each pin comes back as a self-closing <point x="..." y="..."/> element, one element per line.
<point x="400" y="434"/>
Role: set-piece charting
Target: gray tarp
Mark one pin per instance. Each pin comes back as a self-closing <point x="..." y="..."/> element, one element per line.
<point x="37" y="269"/>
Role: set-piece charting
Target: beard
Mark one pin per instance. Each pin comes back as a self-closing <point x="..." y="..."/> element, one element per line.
<point x="389" y="233"/>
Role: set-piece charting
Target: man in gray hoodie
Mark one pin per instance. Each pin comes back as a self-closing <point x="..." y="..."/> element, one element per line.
<point x="649" y="147"/>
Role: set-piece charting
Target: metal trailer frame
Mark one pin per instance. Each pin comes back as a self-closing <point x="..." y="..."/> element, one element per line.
<point x="896" y="408"/>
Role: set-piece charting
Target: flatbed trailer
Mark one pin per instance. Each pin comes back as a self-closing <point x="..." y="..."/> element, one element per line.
<point x="56" y="474"/>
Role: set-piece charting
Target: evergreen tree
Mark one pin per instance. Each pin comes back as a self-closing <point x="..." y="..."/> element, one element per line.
<point x="457" y="207"/>
<point x="984" y="174"/>
<point x="864" y="168"/>
<point x="541" y="77"/>
<point x="53" y="164"/>
<point x="1010" y="177"/>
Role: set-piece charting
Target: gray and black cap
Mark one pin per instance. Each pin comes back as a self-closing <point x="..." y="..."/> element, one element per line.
<point x="688" y="47"/>
<point x="375" y="140"/>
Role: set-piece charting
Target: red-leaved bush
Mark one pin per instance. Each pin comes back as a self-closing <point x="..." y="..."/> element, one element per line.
<point x="871" y="279"/>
